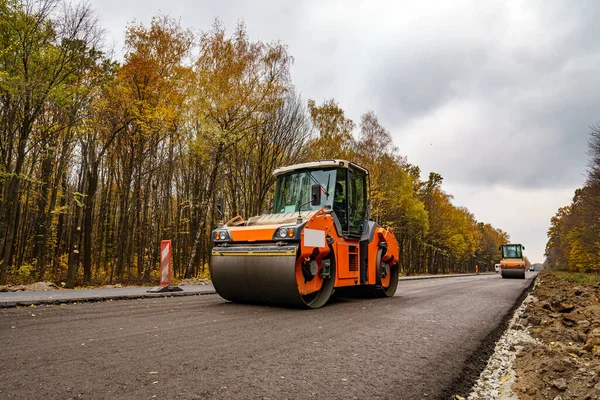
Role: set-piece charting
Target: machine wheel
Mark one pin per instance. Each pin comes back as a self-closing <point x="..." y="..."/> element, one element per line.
<point x="387" y="277"/>
<point x="319" y="299"/>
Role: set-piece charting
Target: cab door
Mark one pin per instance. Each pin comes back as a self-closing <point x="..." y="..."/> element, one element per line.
<point x="357" y="202"/>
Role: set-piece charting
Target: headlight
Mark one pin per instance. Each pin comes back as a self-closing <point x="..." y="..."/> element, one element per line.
<point x="285" y="232"/>
<point x="221" y="235"/>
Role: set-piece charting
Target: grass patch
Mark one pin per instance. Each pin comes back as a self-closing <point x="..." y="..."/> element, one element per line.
<point x="577" y="277"/>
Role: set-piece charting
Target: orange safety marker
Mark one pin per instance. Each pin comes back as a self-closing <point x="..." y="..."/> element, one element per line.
<point x="165" y="263"/>
<point x="165" y="270"/>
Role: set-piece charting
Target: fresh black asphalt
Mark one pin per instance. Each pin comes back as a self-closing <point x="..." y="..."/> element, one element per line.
<point x="416" y="345"/>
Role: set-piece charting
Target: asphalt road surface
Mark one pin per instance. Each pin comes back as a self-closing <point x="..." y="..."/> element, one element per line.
<point x="12" y="299"/>
<point x="420" y="344"/>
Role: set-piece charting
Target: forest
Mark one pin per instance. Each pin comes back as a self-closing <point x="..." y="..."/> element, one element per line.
<point x="102" y="158"/>
<point x="574" y="234"/>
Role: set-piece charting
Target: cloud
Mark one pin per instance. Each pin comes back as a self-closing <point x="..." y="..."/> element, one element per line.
<point x="507" y="103"/>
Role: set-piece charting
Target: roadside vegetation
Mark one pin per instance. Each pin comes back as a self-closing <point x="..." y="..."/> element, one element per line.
<point x="564" y="319"/>
<point x="102" y="157"/>
<point x="578" y="277"/>
<point x="574" y="233"/>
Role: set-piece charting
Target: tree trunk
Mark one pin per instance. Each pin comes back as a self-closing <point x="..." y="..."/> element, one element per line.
<point x="209" y="202"/>
<point x="88" y="219"/>
<point x="75" y="250"/>
<point x="12" y="211"/>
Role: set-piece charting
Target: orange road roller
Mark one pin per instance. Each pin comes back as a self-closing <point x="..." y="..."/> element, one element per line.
<point x="317" y="239"/>
<point x="512" y="264"/>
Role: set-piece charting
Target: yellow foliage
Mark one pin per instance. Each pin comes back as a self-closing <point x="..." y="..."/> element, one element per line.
<point x="335" y="132"/>
<point x="237" y="82"/>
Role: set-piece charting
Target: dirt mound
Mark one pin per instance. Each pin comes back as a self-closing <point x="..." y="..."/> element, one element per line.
<point x="195" y="281"/>
<point x="565" y="361"/>
<point x="38" y="286"/>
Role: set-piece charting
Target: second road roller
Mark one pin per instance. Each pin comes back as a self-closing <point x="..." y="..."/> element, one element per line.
<point x="318" y="238"/>
<point x="512" y="264"/>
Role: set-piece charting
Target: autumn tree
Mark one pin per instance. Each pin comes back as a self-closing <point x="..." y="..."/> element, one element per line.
<point x="334" y="138"/>
<point x="239" y="83"/>
<point x="153" y="82"/>
<point x="41" y="55"/>
<point x="490" y="241"/>
<point x="281" y="140"/>
<point x="574" y="232"/>
<point x="394" y="201"/>
<point x="593" y="180"/>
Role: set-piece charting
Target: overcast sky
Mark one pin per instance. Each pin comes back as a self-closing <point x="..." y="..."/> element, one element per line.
<point x="497" y="97"/>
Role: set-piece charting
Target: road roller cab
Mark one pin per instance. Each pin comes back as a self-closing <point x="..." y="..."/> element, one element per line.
<point x="512" y="264"/>
<point x="317" y="238"/>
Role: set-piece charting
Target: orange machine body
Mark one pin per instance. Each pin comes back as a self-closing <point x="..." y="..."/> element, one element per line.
<point x="346" y="251"/>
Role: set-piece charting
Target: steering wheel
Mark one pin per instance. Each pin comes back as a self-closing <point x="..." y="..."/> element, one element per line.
<point x="340" y="212"/>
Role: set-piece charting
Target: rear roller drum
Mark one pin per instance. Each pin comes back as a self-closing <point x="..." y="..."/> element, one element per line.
<point x="327" y="275"/>
<point x="385" y="285"/>
<point x="387" y="277"/>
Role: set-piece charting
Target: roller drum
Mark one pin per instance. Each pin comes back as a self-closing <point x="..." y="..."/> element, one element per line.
<point x="256" y="274"/>
<point x="517" y="273"/>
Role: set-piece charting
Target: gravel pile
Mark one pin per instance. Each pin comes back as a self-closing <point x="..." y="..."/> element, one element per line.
<point x="496" y="380"/>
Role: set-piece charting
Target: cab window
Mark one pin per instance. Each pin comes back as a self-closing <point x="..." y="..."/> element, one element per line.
<point x="358" y="201"/>
<point x="340" y="205"/>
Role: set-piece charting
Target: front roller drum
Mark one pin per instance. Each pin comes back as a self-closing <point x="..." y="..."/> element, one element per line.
<point x="264" y="276"/>
<point x="514" y="273"/>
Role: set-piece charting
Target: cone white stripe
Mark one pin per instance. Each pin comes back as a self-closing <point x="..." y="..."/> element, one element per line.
<point x="164" y="277"/>
<point x="165" y="254"/>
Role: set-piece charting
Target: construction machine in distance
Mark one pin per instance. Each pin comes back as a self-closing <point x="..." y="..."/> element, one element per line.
<point x="512" y="264"/>
<point x="317" y="239"/>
